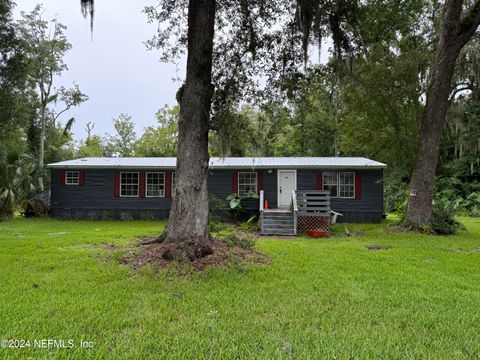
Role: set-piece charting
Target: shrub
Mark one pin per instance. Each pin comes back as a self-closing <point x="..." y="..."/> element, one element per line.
<point x="396" y="192"/>
<point x="242" y="240"/>
<point x="235" y="204"/>
<point x="19" y="175"/>
<point x="443" y="219"/>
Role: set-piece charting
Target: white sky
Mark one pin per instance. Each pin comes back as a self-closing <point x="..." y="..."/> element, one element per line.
<point x="114" y="68"/>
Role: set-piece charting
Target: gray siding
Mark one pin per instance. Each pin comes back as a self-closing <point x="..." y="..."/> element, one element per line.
<point x="369" y="208"/>
<point x="97" y="196"/>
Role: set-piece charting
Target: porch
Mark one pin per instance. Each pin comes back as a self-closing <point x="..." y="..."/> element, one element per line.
<point x="308" y="209"/>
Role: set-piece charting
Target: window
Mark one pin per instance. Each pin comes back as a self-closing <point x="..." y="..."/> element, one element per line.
<point x="247" y="182"/>
<point x="72" y="178"/>
<point x="346" y="185"/>
<point x="330" y="182"/>
<point x="340" y="184"/>
<point x="129" y="184"/>
<point x="155" y="182"/>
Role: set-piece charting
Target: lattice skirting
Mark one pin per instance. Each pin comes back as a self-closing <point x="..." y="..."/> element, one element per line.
<point x="305" y="223"/>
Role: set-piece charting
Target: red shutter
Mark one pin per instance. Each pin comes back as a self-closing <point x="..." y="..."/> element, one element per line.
<point x="116" y="185"/>
<point x="259" y="181"/>
<point x="61" y="177"/>
<point x="319" y="180"/>
<point x="358" y="185"/>
<point x="168" y="184"/>
<point x="141" y="190"/>
<point x="81" y="178"/>
<point x="235" y="182"/>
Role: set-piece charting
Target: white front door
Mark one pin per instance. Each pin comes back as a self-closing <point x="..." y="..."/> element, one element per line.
<point x="287" y="182"/>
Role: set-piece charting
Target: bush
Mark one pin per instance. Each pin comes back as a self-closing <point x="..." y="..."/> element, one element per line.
<point x="396" y="192"/>
<point x="242" y="240"/>
<point x="443" y="219"/>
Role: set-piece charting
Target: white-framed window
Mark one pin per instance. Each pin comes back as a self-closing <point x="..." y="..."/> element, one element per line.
<point x="340" y="184"/>
<point x="72" y="177"/>
<point x="330" y="182"/>
<point x="247" y="182"/>
<point x="346" y="185"/>
<point x="155" y="184"/>
<point x="129" y="184"/>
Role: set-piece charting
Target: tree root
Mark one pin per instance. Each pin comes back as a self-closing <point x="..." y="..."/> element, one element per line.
<point x="157" y="240"/>
<point x="188" y="250"/>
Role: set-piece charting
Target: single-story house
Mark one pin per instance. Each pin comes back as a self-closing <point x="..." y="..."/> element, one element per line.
<point x="144" y="187"/>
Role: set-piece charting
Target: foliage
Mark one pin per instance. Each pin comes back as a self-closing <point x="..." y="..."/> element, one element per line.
<point x="395" y="191"/>
<point x="18" y="180"/>
<point x="234" y="202"/>
<point x="443" y="219"/>
<point x="44" y="45"/>
<point x="121" y="143"/>
<point x="15" y="99"/>
<point x="240" y="239"/>
<point x="160" y="140"/>
<point x="91" y="147"/>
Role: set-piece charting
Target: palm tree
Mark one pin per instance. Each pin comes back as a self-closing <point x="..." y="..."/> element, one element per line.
<point x="19" y="177"/>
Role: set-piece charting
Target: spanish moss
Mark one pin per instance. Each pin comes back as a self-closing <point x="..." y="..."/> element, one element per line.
<point x="88" y="10"/>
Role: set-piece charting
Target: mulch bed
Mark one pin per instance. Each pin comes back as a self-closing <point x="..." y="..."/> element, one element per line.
<point x="223" y="256"/>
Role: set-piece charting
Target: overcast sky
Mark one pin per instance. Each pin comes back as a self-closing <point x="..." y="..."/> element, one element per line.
<point x="114" y="68"/>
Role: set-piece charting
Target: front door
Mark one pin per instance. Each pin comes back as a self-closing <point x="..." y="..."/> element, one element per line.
<point x="287" y="182"/>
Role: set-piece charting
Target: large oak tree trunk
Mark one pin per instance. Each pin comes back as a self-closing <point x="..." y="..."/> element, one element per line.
<point x="188" y="224"/>
<point x="454" y="34"/>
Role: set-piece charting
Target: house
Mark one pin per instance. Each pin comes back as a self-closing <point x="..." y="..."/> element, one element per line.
<point x="143" y="187"/>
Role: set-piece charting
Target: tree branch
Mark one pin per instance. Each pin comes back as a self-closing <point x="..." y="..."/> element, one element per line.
<point x="471" y="21"/>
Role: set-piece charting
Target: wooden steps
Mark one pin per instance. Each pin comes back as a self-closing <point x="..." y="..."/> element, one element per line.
<point x="278" y="223"/>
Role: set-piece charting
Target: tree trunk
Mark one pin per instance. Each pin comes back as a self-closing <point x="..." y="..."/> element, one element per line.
<point x="454" y="34"/>
<point x="41" y="150"/>
<point x="187" y="228"/>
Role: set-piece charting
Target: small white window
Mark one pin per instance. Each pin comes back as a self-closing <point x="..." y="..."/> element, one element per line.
<point x="72" y="178"/>
<point x="247" y="182"/>
<point x="155" y="183"/>
<point x="346" y="185"/>
<point x="330" y="182"/>
<point x="129" y="184"/>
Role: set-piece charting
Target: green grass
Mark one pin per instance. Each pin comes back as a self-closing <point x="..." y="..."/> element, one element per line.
<point x="320" y="298"/>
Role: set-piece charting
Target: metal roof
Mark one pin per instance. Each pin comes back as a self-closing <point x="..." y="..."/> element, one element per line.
<point x="221" y="163"/>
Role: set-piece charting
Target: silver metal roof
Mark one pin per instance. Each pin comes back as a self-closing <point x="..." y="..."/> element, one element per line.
<point x="221" y="163"/>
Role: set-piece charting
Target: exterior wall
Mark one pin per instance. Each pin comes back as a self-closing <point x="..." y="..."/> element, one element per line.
<point x="369" y="208"/>
<point x="95" y="199"/>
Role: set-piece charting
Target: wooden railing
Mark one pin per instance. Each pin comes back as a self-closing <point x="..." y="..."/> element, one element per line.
<point x="261" y="201"/>
<point x="314" y="202"/>
<point x="261" y="210"/>
<point x="294" y="210"/>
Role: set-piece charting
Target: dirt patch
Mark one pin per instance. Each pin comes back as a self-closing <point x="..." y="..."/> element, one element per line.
<point x="377" y="247"/>
<point x="224" y="255"/>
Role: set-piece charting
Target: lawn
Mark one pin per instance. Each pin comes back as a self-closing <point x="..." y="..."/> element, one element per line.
<point x="319" y="298"/>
